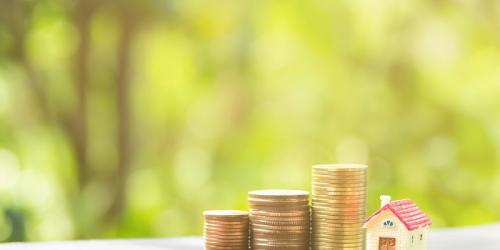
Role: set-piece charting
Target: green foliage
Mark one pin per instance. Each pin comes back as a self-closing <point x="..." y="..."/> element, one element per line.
<point x="187" y="105"/>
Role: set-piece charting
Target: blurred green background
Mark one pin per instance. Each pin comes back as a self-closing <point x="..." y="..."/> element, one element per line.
<point x="129" y="118"/>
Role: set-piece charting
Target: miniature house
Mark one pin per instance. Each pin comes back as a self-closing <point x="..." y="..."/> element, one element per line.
<point x="396" y="225"/>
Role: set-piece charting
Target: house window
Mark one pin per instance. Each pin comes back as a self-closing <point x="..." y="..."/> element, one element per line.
<point x="421" y="236"/>
<point x="388" y="223"/>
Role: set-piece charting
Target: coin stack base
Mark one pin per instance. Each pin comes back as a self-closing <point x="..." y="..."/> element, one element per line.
<point x="338" y="206"/>
<point x="226" y="229"/>
<point x="280" y="219"/>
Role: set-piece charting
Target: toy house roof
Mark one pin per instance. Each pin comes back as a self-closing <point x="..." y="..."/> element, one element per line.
<point x="407" y="212"/>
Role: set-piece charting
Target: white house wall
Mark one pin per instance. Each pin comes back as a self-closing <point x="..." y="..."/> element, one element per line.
<point x="416" y="243"/>
<point x="375" y="230"/>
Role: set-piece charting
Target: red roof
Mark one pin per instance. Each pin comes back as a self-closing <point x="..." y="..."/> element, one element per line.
<point x="407" y="212"/>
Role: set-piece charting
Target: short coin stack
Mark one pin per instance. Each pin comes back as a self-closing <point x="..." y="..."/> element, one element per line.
<point x="338" y="206"/>
<point x="279" y="219"/>
<point x="226" y="229"/>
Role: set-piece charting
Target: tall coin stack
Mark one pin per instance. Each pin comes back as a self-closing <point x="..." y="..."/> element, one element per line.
<point x="279" y="219"/>
<point x="338" y="206"/>
<point x="226" y="229"/>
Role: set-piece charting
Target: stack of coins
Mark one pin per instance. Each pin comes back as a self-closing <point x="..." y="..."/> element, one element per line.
<point x="279" y="219"/>
<point x="226" y="229"/>
<point x="338" y="206"/>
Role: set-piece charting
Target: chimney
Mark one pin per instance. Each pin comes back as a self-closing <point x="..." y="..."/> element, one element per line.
<point x="384" y="200"/>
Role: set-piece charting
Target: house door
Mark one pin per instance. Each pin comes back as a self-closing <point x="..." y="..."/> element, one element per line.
<point x="386" y="243"/>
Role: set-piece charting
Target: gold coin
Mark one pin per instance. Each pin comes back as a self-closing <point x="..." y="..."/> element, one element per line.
<point x="339" y="215"/>
<point x="339" y="199"/>
<point x="339" y="195"/>
<point x="261" y="236"/>
<point x="335" y="227"/>
<point x="326" y="183"/>
<point x="337" y="244"/>
<point x="282" y="223"/>
<point x="282" y="219"/>
<point x="338" y="175"/>
<point x="354" y="246"/>
<point x="224" y="234"/>
<point x="224" y="246"/>
<point x="328" y="246"/>
<point x="275" y="208"/>
<point x="338" y="178"/>
<point x="225" y="231"/>
<point x="326" y="239"/>
<point x="323" y="228"/>
<point x="278" y="220"/>
<point x="343" y="237"/>
<point x="353" y="206"/>
<point x="278" y="194"/>
<point x="323" y="181"/>
<point x="340" y="223"/>
<point x="346" y="199"/>
<point x="333" y="192"/>
<point x="225" y="213"/>
<point x="339" y="188"/>
<point x="226" y="243"/>
<point x="280" y="246"/>
<point x="338" y="207"/>
<point x="335" y="231"/>
<point x="299" y="232"/>
<point x="322" y="185"/>
<point x="226" y="226"/>
<point x="262" y="202"/>
<point x="217" y="238"/>
<point x="336" y="214"/>
<point x="280" y="214"/>
<point x="232" y="227"/>
<point x="322" y="176"/>
<point x="332" y="224"/>
<point x="338" y="171"/>
<point x="227" y="222"/>
<point x="340" y="239"/>
<point x="340" y="166"/>
<point x="289" y="240"/>
<point x="266" y="233"/>
<point x="335" y="223"/>
<point x="281" y="228"/>
<point x="279" y="240"/>
<point x="340" y="218"/>
<point x="349" y="201"/>
<point x="326" y="179"/>
<point x="217" y="247"/>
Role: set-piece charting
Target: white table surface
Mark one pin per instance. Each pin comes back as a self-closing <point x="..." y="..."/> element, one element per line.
<point x="476" y="238"/>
